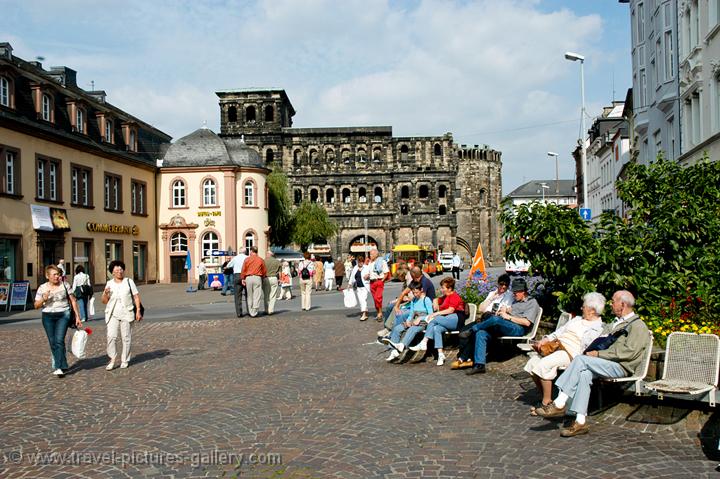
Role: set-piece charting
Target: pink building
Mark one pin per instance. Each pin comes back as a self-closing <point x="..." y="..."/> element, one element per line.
<point x="212" y="196"/>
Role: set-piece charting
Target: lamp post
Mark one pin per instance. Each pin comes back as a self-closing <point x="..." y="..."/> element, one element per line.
<point x="557" y="171"/>
<point x="366" y="242"/>
<point x="575" y="57"/>
<point x="543" y="187"/>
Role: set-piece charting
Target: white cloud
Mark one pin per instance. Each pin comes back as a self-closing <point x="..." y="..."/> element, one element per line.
<point x="426" y="67"/>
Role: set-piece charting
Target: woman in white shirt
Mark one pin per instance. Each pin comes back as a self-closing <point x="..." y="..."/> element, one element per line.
<point x="329" y="275"/>
<point x="574" y="336"/>
<point x="359" y="280"/>
<point x="122" y="301"/>
<point x="55" y="297"/>
<point x="79" y="280"/>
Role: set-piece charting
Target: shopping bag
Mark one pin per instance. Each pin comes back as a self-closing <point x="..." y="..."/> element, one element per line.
<point x="79" y="340"/>
<point x="91" y="308"/>
<point x="349" y="299"/>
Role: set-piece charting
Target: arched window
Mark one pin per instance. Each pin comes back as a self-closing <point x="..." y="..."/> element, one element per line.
<point x="345" y="155"/>
<point x="298" y="196"/>
<point x="250" y="114"/>
<point x="442" y="191"/>
<point x="362" y="195"/>
<point x="403" y="209"/>
<point x="314" y="159"/>
<point x="437" y="149"/>
<point x="46" y="107"/>
<point x="178" y="243"/>
<point x="178" y="192"/>
<point x="405" y="192"/>
<point x="209" y="243"/>
<point x="313" y="195"/>
<point x="232" y="114"/>
<point x="361" y="155"/>
<point x="249" y="242"/>
<point x="443" y="210"/>
<point x="330" y="155"/>
<point x="330" y="196"/>
<point x="4" y="92"/>
<point x="378" y="196"/>
<point x="269" y="156"/>
<point x="377" y="155"/>
<point x="296" y="157"/>
<point x="423" y="191"/>
<point x="404" y="150"/>
<point x="346" y="195"/>
<point x="209" y="193"/>
<point x="482" y="196"/>
<point x="249" y="193"/>
<point x="269" y="113"/>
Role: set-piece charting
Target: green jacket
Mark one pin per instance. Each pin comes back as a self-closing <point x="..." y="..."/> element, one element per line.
<point x="629" y="350"/>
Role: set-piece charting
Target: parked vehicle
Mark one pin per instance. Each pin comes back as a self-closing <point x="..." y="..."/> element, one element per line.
<point x="445" y="260"/>
<point x="517" y="267"/>
<point x="405" y="256"/>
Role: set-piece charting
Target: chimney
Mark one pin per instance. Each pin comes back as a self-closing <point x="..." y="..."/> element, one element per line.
<point x="98" y="95"/>
<point x="6" y="51"/>
<point x="67" y="77"/>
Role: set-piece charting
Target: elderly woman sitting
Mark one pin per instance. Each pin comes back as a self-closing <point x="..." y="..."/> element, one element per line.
<point x="570" y="339"/>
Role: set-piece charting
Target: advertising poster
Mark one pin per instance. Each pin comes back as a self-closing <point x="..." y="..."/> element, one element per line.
<point x="4" y="293"/>
<point x="19" y="294"/>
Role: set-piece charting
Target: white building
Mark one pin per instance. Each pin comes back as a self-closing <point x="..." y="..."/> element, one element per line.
<point x="560" y="192"/>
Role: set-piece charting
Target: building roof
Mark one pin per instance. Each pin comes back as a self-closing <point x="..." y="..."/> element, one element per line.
<point x="204" y="148"/>
<point x="532" y="189"/>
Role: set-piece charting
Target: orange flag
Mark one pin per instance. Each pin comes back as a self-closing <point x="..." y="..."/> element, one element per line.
<point x="478" y="263"/>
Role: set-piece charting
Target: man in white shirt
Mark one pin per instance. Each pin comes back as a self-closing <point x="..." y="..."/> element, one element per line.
<point x="456" y="262"/>
<point x="378" y="274"/>
<point x="236" y="264"/>
<point x="202" y="274"/>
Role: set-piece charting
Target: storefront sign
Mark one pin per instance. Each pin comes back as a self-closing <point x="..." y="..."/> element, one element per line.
<point x="4" y="293"/>
<point x="59" y="219"/>
<point x="117" y="229"/>
<point x="19" y="294"/>
<point x="209" y="213"/>
<point x="41" y="218"/>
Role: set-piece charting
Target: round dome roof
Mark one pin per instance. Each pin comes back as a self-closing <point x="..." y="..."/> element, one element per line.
<point x="241" y="154"/>
<point x="200" y="148"/>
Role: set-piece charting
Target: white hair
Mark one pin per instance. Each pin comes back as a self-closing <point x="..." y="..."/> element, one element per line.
<point x="595" y="301"/>
<point x="626" y="297"/>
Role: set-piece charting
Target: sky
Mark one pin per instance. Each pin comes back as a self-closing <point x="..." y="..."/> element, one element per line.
<point x="491" y="72"/>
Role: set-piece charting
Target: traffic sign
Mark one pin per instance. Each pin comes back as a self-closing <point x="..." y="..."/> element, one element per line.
<point x="585" y="214"/>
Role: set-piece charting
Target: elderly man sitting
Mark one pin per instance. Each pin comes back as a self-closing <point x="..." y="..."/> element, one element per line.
<point x="514" y="320"/>
<point x="623" y="357"/>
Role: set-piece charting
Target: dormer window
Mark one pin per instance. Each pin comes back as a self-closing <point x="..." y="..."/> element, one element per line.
<point x="132" y="144"/>
<point x="46" y="110"/>
<point x="79" y="120"/>
<point x="108" y="131"/>
<point x="130" y="136"/>
<point x="5" y="92"/>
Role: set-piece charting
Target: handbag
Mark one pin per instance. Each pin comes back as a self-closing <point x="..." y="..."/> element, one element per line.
<point x="132" y="300"/>
<point x="546" y="349"/>
<point x="72" y="311"/>
<point x="604" y="342"/>
<point x="349" y="298"/>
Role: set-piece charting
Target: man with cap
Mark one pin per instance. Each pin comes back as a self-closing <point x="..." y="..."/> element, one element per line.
<point x="513" y="320"/>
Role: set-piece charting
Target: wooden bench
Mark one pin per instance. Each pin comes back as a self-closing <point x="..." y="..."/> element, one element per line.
<point x="692" y="362"/>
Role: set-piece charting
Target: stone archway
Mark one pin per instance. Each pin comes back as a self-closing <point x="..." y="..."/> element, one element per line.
<point x="357" y="245"/>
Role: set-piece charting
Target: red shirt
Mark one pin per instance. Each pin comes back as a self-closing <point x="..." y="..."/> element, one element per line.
<point x="453" y="300"/>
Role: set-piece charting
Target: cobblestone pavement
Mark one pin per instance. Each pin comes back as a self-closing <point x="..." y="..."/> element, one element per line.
<point x="306" y="390"/>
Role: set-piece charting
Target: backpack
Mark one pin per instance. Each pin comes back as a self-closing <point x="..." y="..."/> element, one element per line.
<point x="305" y="272"/>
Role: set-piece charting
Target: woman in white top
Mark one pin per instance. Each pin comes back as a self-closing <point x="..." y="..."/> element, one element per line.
<point x="122" y="301"/>
<point x="286" y="281"/>
<point x="359" y="280"/>
<point x="79" y="280"/>
<point x="574" y="336"/>
<point x="55" y="297"/>
<point x="329" y="275"/>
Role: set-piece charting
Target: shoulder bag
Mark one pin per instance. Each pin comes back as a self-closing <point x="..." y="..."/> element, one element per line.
<point x="132" y="300"/>
<point x="72" y="311"/>
<point x="604" y="342"/>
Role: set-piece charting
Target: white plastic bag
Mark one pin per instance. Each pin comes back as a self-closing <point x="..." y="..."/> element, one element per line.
<point x="91" y="308"/>
<point x="349" y="299"/>
<point x="79" y="340"/>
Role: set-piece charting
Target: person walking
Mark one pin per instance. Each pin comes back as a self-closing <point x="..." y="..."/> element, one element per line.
<point x="339" y="272"/>
<point x="306" y="270"/>
<point x="202" y="274"/>
<point x="270" y="282"/>
<point x="456" y="262"/>
<point x="236" y="265"/>
<point x="360" y="281"/>
<point x="253" y="272"/>
<point x="56" y="298"/>
<point x="122" y="308"/>
<point x="329" y="273"/>
<point x="378" y="273"/>
<point x="318" y="272"/>
<point x="286" y="281"/>
<point x="228" y="278"/>
<point x="80" y="286"/>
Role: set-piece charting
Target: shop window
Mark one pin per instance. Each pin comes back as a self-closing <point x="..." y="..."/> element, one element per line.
<point x="113" y="251"/>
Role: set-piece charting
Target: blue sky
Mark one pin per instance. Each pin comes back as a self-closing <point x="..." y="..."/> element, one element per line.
<point x="489" y="71"/>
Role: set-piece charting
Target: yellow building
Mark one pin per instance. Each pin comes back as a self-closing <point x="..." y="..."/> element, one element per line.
<point x="78" y="177"/>
<point x="212" y="197"/>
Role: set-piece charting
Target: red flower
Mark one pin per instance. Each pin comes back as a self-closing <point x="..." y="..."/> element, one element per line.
<point x="89" y="331"/>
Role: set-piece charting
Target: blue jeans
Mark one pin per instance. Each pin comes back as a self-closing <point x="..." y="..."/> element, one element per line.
<point x="577" y="379"/>
<point x="228" y="283"/>
<point x="82" y="307"/>
<point x="493" y="326"/>
<point x="399" y="327"/>
<point x="410" y="334"/>
<point x="439" y="325"/>
<point x="56" y="326"/>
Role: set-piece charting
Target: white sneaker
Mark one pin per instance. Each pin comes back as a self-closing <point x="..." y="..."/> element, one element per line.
<point x="110" y="366"/>
<point x="399" y="347"/>
<point x="393" y="355"/>
<point x="59" y="373"/>
<point x="422" y="346"/>
<point x="441" y="359"/>
<point x="123" y="365"/>
<point x="383" y="332"/>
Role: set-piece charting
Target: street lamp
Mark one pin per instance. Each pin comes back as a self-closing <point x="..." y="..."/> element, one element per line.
<point x="365" y="221"/>
<point x="557" y="171"/>
<point x="575" y="57"/>
<point x="543" y="187"/>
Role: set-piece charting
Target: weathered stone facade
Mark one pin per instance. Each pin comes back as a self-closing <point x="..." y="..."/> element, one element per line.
<point x="424" y="190"/>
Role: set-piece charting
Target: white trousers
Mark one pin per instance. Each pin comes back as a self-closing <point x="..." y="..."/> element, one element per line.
<point x="547" y="367"/>
<point x="329" y="280"/>
<point x="305" y="292"/>
<point x="362" y="294"/>
<point x="253" y="284"/>
<point x="270" y="293"/>
<point x="123" y="328"/>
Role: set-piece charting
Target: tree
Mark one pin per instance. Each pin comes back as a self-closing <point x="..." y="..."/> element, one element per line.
<point x="311" y="224"/>
<point x="279" y="208"/>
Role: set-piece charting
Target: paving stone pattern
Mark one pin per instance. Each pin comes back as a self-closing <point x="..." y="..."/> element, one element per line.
<point x="304" y="386"/>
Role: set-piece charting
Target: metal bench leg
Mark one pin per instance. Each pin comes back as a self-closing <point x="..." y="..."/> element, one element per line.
<point x="712" y="399"/>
